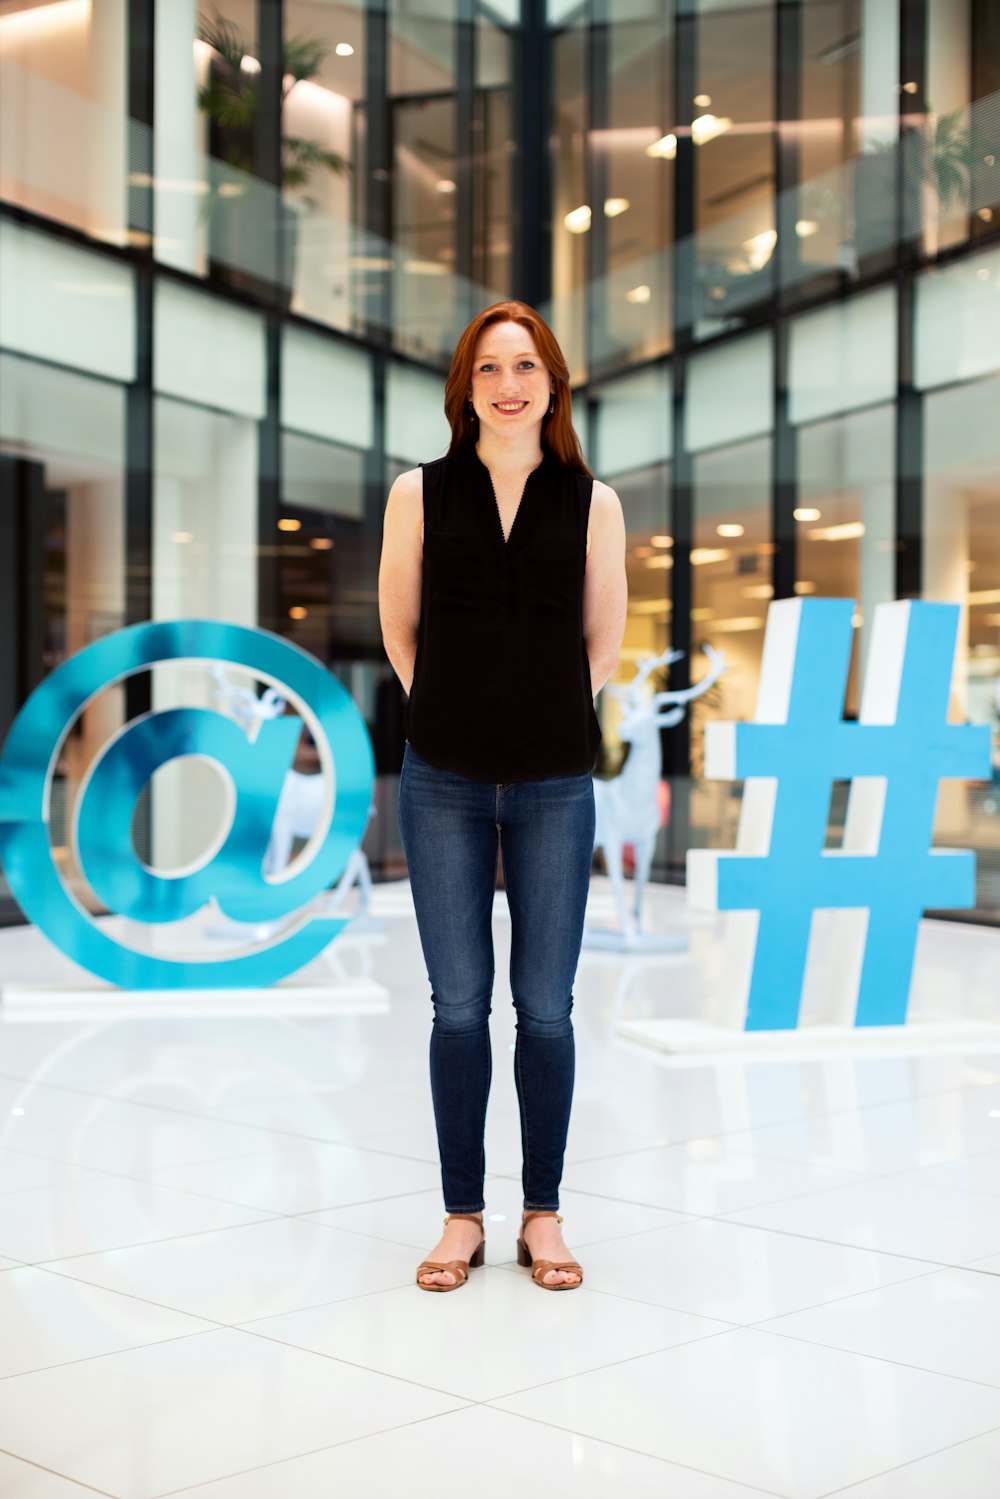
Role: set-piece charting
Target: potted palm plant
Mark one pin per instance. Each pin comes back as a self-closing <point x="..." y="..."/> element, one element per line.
<point x="230" y="99"/>
<point x="936" y="161"/>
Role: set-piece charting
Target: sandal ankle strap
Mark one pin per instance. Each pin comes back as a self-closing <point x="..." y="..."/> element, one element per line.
<point x="472" y="1217"/>
<point x="540" y="1213"/>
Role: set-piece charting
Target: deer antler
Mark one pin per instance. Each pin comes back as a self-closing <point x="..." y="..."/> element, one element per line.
<point x="717" y="665"/>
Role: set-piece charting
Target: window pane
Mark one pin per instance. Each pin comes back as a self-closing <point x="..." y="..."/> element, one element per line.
<point x="63" y="139"/>
<point x="733" y="131"/>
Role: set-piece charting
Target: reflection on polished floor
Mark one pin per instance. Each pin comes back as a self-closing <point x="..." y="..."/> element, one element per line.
<point x="209" y="1229"/>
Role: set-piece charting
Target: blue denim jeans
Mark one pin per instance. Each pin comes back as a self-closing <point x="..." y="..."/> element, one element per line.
<point x="451" y="829"/>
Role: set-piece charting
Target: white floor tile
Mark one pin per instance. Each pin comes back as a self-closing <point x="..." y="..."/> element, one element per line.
<point x="302" y="1178"/>
<point x="23" y="1173"/>
<point x="966" y="1471"/>
<point x="478" y="1451"/>
<point x="49" y="1319"/>
<point x="948" y="1322"/>
<point x="258" y="1271"/>
<point x="792" y="1418"/>
<point x="105" y="1213"/>
<point x="416" y="1219"/>
<point x="495" y="1335"/>
<point x="20" y="1480"/>
<point x="209" y="1129"/>
<point x="893" y="1217"/>
<point x="891" y="1137"/>
<point x="972" y="1173"/>
<point x="715" y="1268"/>
<point x="135" y="1141"/>
<point x="142" y="1423"/>
<point x="700" y="1176"/>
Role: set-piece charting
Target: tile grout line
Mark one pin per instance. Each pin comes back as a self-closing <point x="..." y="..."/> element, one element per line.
<point x="912" y="1462"/>
<point x="30" y="1462"/>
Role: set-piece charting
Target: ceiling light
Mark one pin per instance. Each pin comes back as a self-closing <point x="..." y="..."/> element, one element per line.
<point x="805" y="227"/>
<point x="665" y="148"/>
<point x="738" y="625"/>
<point x="321" y="544"/>
<point x="849" y="531"/>
<point x="701" y="555"/>
<point x="614" y="206"/>
<point x="664" y="559"/>
<point x="760" y="247"/>
<point x="728" y="529"/>
<point x="986" y="214"/>
<point x="706" y="127"/>
<point x="577" y="221"/>
<point x="985" y="596"/>
<point x="249" y="64"/>
<point x="344" y="49"/>
<point x="642" y="551"/>
<point x="445" y="185"/>
<point x="702" y="100"/>
<point x="803" y="588"/>
<point x="638" y="294"/>
<point x="805" y="512"/>
<point x="702" y="613"/>
<point x="297" y="612"/>
<point x="288" y="523"/>
<point x="662" y="541"/>
<point x="759" y="591"/>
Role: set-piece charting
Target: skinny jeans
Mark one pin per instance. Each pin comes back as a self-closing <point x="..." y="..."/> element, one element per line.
<point x="452" y="829"/>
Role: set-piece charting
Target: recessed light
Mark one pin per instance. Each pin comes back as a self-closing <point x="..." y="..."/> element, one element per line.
<point x="730" y="529"/>
<point x="298" y="612"/>
<point x="701" y="555"/>
<point x="638" y="294"/>
<point x="577" y="221"/>
<point x="665" y="148"/>
<point x="805" y="227"/>
<point x="662" y="541"/>
<point x="445" y="185"/>
<point x="288" y="523"/>
<point x="344" y="49"/>
<point x="805" y="512"/>
<point x="249" y="64"/>
<point x="706" y="127"/>
<point x="614" y="206"/>
<point x="321" y="544"/>
<point x="703" y="100"/>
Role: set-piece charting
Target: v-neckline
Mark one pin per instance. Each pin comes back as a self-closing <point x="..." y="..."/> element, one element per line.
<point x="505" y="540"/>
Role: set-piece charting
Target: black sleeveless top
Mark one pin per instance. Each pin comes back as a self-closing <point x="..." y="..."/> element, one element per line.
<point x="501" y="682"/>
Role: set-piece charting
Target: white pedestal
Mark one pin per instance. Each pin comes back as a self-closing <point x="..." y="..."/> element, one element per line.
<point x="689" y="1042"/>
<point x="23" y="1001"/>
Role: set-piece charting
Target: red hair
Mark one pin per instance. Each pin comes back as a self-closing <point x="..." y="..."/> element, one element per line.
<point x="558" y="435"/>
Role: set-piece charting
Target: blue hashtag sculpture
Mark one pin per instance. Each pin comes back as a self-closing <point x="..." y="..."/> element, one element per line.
<point x="894" y="757"/>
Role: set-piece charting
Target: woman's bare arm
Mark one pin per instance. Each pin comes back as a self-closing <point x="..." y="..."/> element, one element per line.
<point x="605" y="589"/>
<point x="400" y="572"/>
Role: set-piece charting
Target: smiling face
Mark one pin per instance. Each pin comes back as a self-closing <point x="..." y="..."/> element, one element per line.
<point x="510" y="386"/>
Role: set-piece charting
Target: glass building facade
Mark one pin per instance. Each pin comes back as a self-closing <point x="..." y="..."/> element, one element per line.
<point x="239" y="240"/>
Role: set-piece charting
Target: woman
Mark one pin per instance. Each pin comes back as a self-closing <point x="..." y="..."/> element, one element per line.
<point x="502" y="597"/>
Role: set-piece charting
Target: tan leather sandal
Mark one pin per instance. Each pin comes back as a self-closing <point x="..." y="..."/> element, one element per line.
<point x="458" y="1268"/>
<point x="541" y="1268"/>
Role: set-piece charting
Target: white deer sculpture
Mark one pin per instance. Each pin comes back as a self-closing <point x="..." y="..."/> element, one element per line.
<point x="627" y="806"/>
<point x="300" y="805"/>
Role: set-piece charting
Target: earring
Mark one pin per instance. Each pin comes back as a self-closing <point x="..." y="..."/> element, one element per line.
<point x="552" y="405"/>
<point x="470" y="410"/>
